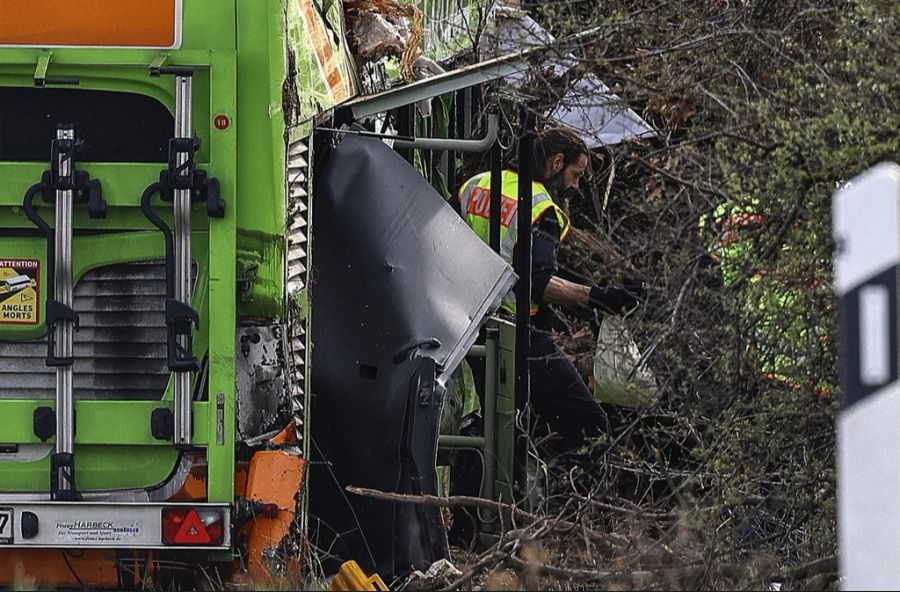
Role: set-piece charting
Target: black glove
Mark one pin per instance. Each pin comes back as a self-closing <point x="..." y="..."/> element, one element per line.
<point x="635" y="285"/>
<point x="616" y="299"/>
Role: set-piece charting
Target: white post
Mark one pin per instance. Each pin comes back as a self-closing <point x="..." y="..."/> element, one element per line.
<point x="867" y="231"/>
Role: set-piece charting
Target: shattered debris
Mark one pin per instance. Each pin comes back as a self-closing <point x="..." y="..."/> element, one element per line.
<point x="439" y="575"/>
<point x="586" y="105"/>
<point x="375" y="37"/>
<point x="389" y="28"/>
<point x="601" y="116"/>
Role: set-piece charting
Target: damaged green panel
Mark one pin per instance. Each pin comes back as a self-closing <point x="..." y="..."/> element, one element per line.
<point x="259" y="254"/>
<point x="322" y="68"/>
<point x="260" y="274"/>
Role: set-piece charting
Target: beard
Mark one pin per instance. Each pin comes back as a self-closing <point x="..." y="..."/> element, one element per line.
<point x="561" y="195"/>
<point x="554" y="185"/>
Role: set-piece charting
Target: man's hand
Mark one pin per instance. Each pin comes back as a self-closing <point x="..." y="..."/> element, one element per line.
<point x="604" y="295"/>
<point x="560" y="291"/>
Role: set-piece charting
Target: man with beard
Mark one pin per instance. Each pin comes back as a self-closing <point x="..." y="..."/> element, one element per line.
<point x="559" y="396"/>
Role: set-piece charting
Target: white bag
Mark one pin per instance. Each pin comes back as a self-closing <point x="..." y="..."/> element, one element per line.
<point x="621" y="376"/>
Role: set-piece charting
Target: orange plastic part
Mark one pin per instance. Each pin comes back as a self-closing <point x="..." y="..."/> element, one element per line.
<point x="287" y="436"/>
<point x="194" y="487"/>
<point x="275" y="477"/>
<point x="115" y="23"/>
<point x="352" y="577"/>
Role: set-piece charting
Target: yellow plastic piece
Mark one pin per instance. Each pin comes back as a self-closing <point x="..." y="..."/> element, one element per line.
<point x="352" y="577"/>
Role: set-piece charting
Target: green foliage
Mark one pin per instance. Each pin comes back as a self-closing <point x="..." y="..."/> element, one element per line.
<point x="763" y="105"/>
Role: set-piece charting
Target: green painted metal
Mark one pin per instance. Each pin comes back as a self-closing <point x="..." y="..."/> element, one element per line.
<point x="117" y="435"/>
<point x="314" y="50"/>
<point x="113" y="422"/>
<point x="260" y="235"/>
<point x="238" y="51"/>
<point x="242" y="52"/>
<point x="143" y="467"/>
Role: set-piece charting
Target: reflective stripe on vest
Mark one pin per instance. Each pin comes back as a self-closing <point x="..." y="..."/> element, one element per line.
<point x="475" y="205"/>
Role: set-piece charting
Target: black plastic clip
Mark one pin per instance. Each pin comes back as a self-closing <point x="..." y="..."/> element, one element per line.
<point x="180" y="317"/>
<point x="187" y="177"/>
<point x="181" y="320"/>
<point x="62" y="466"/>
<point x="43" y="423"/>
<point x="57" y="311"/>
<point x="162" y="423"/>
<point x="179" y="176"/>
<point x="84" y="189"/>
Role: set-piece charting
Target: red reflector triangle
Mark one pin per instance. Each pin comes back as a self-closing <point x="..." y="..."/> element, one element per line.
<point x="192" y="531"/>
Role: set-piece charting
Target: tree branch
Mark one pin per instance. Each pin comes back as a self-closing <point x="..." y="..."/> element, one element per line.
<point x="557" y="525"/>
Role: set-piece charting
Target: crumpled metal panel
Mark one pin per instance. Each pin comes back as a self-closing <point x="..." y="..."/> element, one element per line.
<point x="263" y="400"/>
<point x="399" y="289"/>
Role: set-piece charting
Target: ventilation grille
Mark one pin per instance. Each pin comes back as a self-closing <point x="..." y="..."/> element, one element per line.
<point x="120" y="349"/>
<point x="298" y="184"/>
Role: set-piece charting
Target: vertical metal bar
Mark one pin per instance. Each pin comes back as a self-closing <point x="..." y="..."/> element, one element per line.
<point x="448" y="163"/>
<point x="428" y="156"/>
<point x="405" y="127"/>
<point x="492" y="334"/>
<point x="467" y="113"/>
<point x="450" y="155"/>
<point x="506" y="414"/>
<point x="64" y="294"/>
<point x="496" y="193"/>
<point x="459" y="106"/>
<point x="523" y="259"/>
<point x="183" y="261"/>
<point x="491" y="362"/>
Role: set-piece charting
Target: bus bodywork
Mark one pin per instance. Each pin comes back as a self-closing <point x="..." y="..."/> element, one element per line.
<point x="155" y="194"/>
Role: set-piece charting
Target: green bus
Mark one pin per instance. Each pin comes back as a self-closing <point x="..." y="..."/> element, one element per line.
<point x="181" y="385"/>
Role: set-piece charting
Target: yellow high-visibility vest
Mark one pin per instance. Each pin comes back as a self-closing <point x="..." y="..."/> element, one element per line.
<point x="475" y="204"/>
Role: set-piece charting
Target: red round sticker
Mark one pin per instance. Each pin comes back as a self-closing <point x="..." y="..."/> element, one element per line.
<point x="221" y="122"/>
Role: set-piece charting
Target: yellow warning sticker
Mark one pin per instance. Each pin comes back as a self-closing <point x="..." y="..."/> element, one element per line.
<point x="19" y="289"/>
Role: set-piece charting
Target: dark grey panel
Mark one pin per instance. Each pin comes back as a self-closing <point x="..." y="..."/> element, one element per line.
<point x="394" y="266"/>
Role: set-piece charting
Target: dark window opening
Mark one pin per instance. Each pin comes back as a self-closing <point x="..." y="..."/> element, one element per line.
<point x="115" y="126"/>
